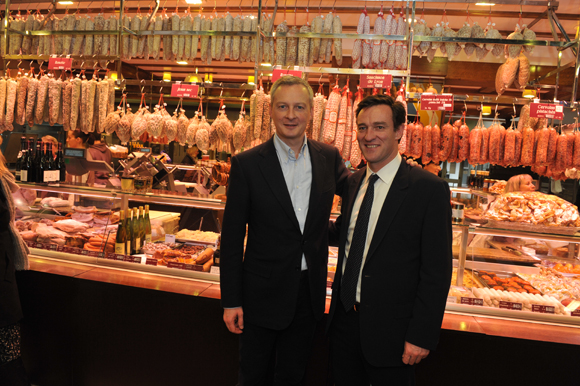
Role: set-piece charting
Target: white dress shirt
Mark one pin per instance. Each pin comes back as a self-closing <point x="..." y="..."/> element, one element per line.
<point x="382" y="186"/>
<point x="297" y="170"/>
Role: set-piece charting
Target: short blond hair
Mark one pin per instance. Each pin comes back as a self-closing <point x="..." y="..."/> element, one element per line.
<point x="290" y="80"/>
<point x="50" y="138"/>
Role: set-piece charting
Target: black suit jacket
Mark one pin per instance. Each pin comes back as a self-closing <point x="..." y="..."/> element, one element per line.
<point x="264" y="279"/>
<point x="407" y="272"/>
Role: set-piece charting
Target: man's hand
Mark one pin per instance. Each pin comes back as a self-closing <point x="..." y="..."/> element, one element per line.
<point x="412" y="162"/>
<point x="234" y="319"/>
<point x="413" y="354"/>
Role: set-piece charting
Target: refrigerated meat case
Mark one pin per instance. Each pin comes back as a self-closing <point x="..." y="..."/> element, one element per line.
<point x="466" y="259"/>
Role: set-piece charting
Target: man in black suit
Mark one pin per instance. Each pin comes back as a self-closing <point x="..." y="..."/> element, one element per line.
<point x="273" y="293"/>
<point x="394" y="266"/>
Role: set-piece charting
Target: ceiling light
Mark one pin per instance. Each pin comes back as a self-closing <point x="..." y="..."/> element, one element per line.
<point x="486" y="110"/>
<point x="485" y="4"/>
<point x="251" y="80"/>
<point x="208" y="78"/>
<point x="182" y="62"/>
<point x="113" y="75"/>
<point x="65" y="2"/>
<point x="167" y="76"/>
<point x="192" y="78"/>
<point x="193" y="1"/>
<point x="530" y="94"/>
<point x="266" y="65"/>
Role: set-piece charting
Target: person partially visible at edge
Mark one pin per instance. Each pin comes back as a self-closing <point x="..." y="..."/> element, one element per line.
<point x="520" y="183"/>
<point x="395" y="253"/>
<point x="98" y="151"/>
<point x="273" y="292"/>
<point x="13" y="257"/>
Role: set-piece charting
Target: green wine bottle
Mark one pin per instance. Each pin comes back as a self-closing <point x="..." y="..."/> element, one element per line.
<point x="121" y="240"/>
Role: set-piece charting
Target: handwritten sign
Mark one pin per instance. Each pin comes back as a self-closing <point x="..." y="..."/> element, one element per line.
<point x="186" y="267"/>
<point x="543" y="309"/>
<point x="184" y="90"/>
<point x="546" y="110"/>
<point x="169" y="238"/>
<point x="376" y="80"/>
<point x="432" y="102"/>
<point x="472" y="301"/>
<point x="510" y="305"/>
<point x="279" y="73"/>
<point x="59" y="63"/>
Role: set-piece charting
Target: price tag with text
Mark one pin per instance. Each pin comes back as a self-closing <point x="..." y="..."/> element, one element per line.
<point x="376" y="80"/>
<point x="472" y="301"/>
<point x="278" y="73"/>
<point x="170" y="238"/>
<point x="543" y="309"/>
<point x="575" y="313"/>
<point x="59" y="63"/>
<point x="432" y="102"/>
<point x="214" y="270"/>
<point x="184" y="90"/>
<point x="510" y="305"/>
<point x="150" y="261"/>
<point x="546" y="110"/>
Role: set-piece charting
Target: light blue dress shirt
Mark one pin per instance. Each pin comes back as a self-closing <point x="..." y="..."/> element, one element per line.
<point x="297" y="170"/>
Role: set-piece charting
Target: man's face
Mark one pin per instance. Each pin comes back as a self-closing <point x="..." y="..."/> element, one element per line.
<point x="291" y="111"/>
<point x="376" y="135"/>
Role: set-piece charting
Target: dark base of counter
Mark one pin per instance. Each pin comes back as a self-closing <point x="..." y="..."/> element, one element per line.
<point x="83" y="333"/>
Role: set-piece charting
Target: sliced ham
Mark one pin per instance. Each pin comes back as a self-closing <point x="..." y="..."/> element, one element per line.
<point x="83" y="217"/>
<point x="71" y="226"/>
<point x="85" y="209"/>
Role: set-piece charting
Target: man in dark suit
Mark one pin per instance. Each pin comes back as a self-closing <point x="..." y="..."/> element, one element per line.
<point x="394" y="266"/>
<point x="273" y="293"/>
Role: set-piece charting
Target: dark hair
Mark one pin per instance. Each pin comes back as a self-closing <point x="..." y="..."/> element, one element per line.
<point x="398" y="109"/>
<point x="81" y="135"/>
<point x="92" y="137"/>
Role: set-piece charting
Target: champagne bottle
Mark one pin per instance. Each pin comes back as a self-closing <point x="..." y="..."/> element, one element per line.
<point x="19" y="158"/>
<point x="147" y="225"/>
<point x="129" y="230"/>
<point x="136" y="232"/>
<point x="121" y="240"/>
<point x="60" y="165"/>
<point x="48" y="162"/>
<point x="142" y="225"/>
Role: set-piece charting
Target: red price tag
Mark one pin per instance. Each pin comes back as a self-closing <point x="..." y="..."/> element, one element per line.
<point x="546" y="110"/>
<point x="376" y="80"/>
<point x="510" y="305"/>
<point x="184" y="90"/>
<point x="436" y="102"/>
<point x="278" y="73"/>
<point x="172" y="264"/>
<point x="150" y="261"/>
<point x="59" y="63"/>
<point x="543" y="309"/>
<point x="133" y="259"/>
<point x="575" y="312"/>
<point x="472" y="301"/>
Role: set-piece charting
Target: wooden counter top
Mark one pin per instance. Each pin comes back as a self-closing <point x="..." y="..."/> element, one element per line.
<point x="452" y="321"/>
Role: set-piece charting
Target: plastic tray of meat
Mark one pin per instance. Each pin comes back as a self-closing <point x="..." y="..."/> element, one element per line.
<point x="505" y="281"/>
<point x="526" y="227"/>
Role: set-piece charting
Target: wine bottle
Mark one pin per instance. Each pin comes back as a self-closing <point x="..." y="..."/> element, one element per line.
<point x="60" y="165"/>
<point x="46" y="164"/>
<point x="24" y="163"/>
<point x="136" y="233"/>
<point x="147" y="225"/>
<point x="37" y="165"/>
<point x="129" y="231"/>
<point x="19" y="158"/>
<point x="121" y="240"/>
<point x="216" y="253"/>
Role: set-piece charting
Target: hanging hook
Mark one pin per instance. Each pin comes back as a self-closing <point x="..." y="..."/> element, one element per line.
<point x="320" y="79"/>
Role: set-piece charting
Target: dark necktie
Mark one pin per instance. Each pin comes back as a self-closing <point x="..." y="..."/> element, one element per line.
<point x="357" y="248"/>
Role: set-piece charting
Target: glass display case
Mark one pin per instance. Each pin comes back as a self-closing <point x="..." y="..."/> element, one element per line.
<point x="499" y="270"/>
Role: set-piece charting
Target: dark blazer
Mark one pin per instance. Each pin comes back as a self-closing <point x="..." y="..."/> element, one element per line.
<point x="265" y="279"/>
<point x="407" y="272"/>
<point x="10" y="311"/>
